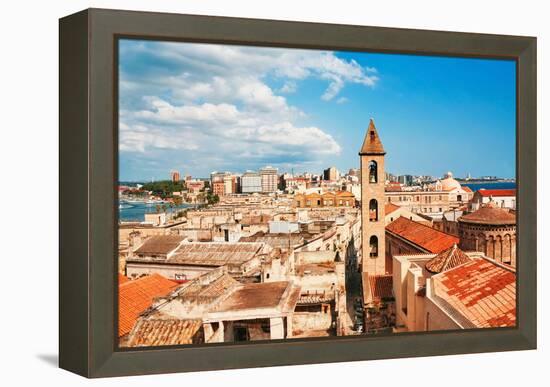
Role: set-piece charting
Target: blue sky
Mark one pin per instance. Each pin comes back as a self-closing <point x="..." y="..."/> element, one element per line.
<point x="197" y="108"/>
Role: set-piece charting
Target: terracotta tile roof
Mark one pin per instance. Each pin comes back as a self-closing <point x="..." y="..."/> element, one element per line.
<point x="122" y="279"/>
<point x="497" y="192"/>
<point x="372" y="144"/>
<point x="393" y="187"/>
<point x="381" y="286"/>
<point x="134" y="297"/>
<point x="159" y="244"/>
<point x="390" y="207"/>
<point x="345" y="194"/>
<point x="481" y="291"/>
<point x="448" y="259"/>
<point x="466" y="188"/>
<point x="197" y="291"/>
<point x="427" y="238"/>
<point x="155" y="332"/>
<point x="490" y="215"/>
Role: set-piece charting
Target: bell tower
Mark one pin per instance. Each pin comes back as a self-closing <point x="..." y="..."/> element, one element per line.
<point x="372" y="203"/>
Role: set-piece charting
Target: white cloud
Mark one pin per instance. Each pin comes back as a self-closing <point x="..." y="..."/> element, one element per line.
<point x="163" y="125"/>
<point x="342" y="100"/>
<point x="288" y="87"/>
<point x="215" y="102"/>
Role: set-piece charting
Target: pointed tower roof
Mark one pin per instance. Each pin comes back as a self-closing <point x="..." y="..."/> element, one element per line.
<point x="448" y="259"/>
<point x="372" y="144"/>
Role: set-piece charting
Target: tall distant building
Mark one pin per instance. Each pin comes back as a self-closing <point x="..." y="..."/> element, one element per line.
<point x="218" y="188"/>
<point x="270" y="179"/>
<point x="353" y="172"/>
<point x="372" y="203"/>
<point x="230" y="184"/>
<point x="175" y="176"/>
<point x="251" y="182"/>
<point x="405" y="179"/>
<point x="331" y="174"/>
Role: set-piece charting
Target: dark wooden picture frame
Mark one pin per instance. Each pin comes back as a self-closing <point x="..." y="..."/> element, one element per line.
<point x="88" y="178"/>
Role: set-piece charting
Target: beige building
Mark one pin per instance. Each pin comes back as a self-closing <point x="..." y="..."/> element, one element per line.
<point x="331" y="174"/>
<point x="269" y="178"/>
<point x="442" y="196"/>
<point x="453" y="290"/>
<point x="190" y="260"/>
<point x="372" y="202"/>
<point x="394" y="212"/>
<point x="326" y="199"/>
<point x="504" y="198"/>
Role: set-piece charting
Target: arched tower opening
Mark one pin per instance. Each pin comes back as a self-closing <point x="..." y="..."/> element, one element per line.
<point x="373" y="210"/>
<point x="373" y="246"/>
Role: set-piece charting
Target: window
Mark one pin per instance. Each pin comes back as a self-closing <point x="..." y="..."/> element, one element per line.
<point x="373" y="242"/>
<point x="373" y="172"/>
<point x="373" y="210"/>
<point x="459" y="198"/>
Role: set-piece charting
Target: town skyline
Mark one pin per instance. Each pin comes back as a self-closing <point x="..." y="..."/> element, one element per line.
<point x="192" y="108"/>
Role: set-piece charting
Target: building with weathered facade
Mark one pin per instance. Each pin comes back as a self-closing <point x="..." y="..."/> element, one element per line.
<point x="453" y="290"/>
<point x="230" y="311"/>
<point x="442" y="196"/>
<point x="192" y="259"/>
<point x="491" y="230"/>
<point x="326" y="199"/>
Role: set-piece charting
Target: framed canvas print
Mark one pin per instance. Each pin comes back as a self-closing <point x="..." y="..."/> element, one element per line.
<point x="244" y="193"/>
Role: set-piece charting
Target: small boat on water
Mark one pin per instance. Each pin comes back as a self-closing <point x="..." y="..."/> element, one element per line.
<point x="154" y="202"/>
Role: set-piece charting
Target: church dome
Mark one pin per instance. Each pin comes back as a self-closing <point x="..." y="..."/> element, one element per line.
<point x="490" y="214"/>
<point x="449" y="183"/>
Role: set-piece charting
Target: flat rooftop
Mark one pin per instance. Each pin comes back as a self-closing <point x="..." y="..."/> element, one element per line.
<point x="210" y="254"/>
<point x="255" y="296"/>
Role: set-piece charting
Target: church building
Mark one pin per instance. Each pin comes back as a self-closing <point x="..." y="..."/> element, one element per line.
<point x="372" y="203"/>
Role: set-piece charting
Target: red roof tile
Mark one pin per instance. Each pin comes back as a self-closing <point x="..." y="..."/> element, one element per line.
<point x="489" y="214"/>
<point x="381" y="286"/>
<point x="134" y="297"/>
<point x="122" y="279"/>
<point x="446" y="260"/>
<point x="390" y="207"/>
<point x="155" y="332"/>
<point x="427" y="238"/>
<point x="481" y="290"/>
<point x="497" y="192"/>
